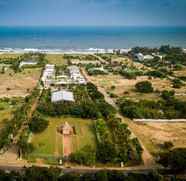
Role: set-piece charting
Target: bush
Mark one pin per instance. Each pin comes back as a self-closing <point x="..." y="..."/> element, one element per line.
<point x="177" y="83"/>
<point x="175" y="159"/>
<point x="144" y="87"/>
<point x="85" y="156"/>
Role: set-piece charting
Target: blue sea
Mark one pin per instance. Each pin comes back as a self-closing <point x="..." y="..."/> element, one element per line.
<point x="68" y="38"/>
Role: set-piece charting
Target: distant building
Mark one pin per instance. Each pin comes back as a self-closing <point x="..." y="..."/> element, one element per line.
<point x="48" y="75"/>
<point x="27" y="63"/>
<point x="142" y="57"/>
<point x="84" y="62"/>
<point x="76" y="75"/>
<point x="148" y="57"/>
<point x="139" y="56"/>
<point x="62" y="95"/>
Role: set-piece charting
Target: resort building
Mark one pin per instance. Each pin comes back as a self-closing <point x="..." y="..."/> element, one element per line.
<point x="27" y="63"/>
<point x="76" y="75"/>
<point x="48" y="75"/>
<point x="62" y="95"/>
<point x="142" y="57"/>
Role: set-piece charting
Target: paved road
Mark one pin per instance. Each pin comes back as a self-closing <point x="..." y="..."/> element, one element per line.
<point x="79" y="169"/>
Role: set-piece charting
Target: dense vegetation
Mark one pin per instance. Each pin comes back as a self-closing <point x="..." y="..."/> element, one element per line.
<point x="174" y="159"/>
<point x="167" y="108"/>
<point x="144" y="87"/>
<point x="38" y="123"/>
<point x="55" y="174"/>
<point x="20" y="115"/>
<point x="115" y="144"/>
<point x="89" y="103"/>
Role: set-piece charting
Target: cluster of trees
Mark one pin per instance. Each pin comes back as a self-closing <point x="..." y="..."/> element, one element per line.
<point x="38" y="123"/>
<point x="174" y="159"/>
<point x="144" y="87"/>
<point x="89" y="103"/>
<point x="130" y="73"/>
<point x="20" y="115"/>
<point x="55" y="174"/>
<point x="115" y="144"/>
<point x="85" y="156"/>
<point x="167" y="108"/>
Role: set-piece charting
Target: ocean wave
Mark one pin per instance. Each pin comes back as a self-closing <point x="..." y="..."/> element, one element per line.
<point x="56" y="51"/>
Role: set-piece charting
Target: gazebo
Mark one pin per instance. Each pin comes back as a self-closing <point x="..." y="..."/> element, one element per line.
<point x="65" y="129"/>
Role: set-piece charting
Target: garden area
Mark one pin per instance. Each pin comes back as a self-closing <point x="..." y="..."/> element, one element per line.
<point x="49" y="143"/>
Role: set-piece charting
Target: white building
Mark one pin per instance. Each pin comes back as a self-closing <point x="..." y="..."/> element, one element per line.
<point x="142" y="57"/>
<point x="48" y="75"/>
<point x="62" y="95"/>
<point x="27" y="63"/>
<point x="148" y="57"/>
<point x="76" y="75"/>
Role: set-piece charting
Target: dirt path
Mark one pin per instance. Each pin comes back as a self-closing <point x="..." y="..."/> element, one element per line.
<point x="25" y="124"/>
<point x="67" y="145"/>
<point x="146" y="156"/>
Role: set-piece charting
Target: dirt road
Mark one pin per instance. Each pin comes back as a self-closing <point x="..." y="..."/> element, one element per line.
<point x="146" y="156"/>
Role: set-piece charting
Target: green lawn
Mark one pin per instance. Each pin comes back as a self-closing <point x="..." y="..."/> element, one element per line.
<point x="49" y="143"/>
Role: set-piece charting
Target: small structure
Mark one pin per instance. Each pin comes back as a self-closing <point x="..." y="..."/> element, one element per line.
<point x="65" y="129"/>
<point x="62" y="95"/>
<point x="27" y="63"/>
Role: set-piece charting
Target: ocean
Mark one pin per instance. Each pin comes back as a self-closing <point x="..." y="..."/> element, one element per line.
<point x="89" y="38"/>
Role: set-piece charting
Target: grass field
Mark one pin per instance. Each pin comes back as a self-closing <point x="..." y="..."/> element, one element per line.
<point x="18" y="84"/>
<point x="49" y="142"/>
<point x="6" y="109"/>
<point x="57" y="59"/>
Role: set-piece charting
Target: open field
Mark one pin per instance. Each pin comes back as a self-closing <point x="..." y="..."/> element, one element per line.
<point x="18" y="84"/>
<point x="57" y="59"/>
<point x="50" y="143"/>
<point x="155" y="134"/>
<point x="9" y="55"/>
<point x="126" y="87"/>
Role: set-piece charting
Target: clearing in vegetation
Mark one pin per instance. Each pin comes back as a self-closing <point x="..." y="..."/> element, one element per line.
<point x="18" y="84"/>
<point x="49" y="143"/>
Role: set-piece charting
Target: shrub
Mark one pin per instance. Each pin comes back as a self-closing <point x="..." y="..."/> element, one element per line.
<point x="177" y="83"/>
<point x="144" y="87"/>
<point x="85" y="156"/>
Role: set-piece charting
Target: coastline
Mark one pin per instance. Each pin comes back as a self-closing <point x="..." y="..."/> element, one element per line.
<point x="62" y="51"/>
<point x="59" y="51"/>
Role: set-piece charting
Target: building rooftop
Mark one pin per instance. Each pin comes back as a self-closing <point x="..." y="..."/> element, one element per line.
<point x="62" y="96"/>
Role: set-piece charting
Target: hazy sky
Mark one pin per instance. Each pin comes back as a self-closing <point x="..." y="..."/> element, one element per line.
<point x="93" y="12"/>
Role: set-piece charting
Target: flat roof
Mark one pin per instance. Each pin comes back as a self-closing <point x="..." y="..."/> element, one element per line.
<point x="62" y="95"/>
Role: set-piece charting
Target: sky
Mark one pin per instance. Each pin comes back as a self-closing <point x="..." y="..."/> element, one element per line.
<point x="93" y="12"/>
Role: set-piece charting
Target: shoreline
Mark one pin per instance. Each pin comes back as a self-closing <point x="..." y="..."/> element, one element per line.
<point x="62" y="51"/>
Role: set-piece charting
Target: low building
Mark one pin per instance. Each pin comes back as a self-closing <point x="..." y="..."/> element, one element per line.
<point x="27" y="63"/>
<point x="148" y="57"/>
<point x="48" y="75"/>
<point x="62" y="95"/>
<point x="76" y="75"/>
<point x="142" y="57"/>
<point x="84" y="62"/>
<point x="139" y="56"/>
